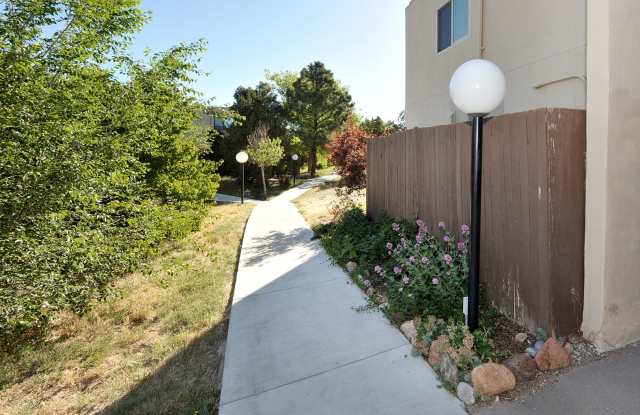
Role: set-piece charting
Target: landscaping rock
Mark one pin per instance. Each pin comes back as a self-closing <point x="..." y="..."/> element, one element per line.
<point x="466" y="393"/>
<point x="568" y="347"/>
<point x="490" y="379"/>
<point x="351" y="266"/>
<point x="437" y="347"/>
<point x="522" y="366"/>
<point x="408" y="328"/>
<point x="422" y="347"/>
<point x="448" y="370"/>
<point x="552" y="356"/>
<point x="521" y="337"/>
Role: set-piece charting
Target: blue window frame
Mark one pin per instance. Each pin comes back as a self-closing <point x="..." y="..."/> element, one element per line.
<point x="453" y="23"/>
<point x="444" y="27"/>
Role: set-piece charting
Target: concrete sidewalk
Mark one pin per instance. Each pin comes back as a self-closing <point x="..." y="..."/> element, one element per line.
<point x="296" y="345"/>
<point x="222" y="198"/>
<point x="610" y="386"/>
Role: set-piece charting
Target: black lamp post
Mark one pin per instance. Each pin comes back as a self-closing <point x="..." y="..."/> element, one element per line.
<point x="477" y="88"/>
<point x="242" y="157"/>
<point x="295" y="158"/>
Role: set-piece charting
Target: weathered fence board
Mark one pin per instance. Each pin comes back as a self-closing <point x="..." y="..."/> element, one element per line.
<point x="533" y="204"/>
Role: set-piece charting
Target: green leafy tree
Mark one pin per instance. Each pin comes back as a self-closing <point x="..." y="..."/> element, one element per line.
<point x="264" y="152"/>
<point x="100" y="158"/>
<point x="377" y="127"/>
<point x="255" y="106"/>
<point x="317" y="106"/>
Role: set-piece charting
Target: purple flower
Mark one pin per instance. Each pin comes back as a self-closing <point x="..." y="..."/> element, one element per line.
<point x="460" y="246"/>
<point x="370" y="292"/>
<point x="377" y="269"/>
<point x="419" y="238"/>
<point x="389" y="246"/>
<point x="405" y="280"/>
<point x="447" y="258"/>
<point x="389" y="253"/>
<point x="420" y="223"/>
<point x="441" y="225"/>
<point x="435" y="281"/>
<point x="397" y="270"/>
<point x="446" y="238"/>
<point x="395" y="227"/>
<point x="424" y="260"/>
<point x="464" y="229"/>
<point x="403" y="241"/>
<point x="412" y="259"/>
<point x="367" y="283"/>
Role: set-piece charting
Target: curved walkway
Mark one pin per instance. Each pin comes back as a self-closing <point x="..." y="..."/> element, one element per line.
<point x="296" y="344"/>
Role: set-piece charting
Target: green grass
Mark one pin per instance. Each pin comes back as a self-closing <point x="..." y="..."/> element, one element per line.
<point x="155" y="347"/>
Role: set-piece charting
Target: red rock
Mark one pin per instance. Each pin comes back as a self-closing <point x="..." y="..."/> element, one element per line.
<point x="490" y="379"/>
<point x="438" y="347"/>
<point x="522" y="366"/>
<point x="552" y="356"/>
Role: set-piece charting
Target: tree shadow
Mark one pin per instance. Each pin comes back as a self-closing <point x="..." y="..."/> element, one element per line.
<point x="189" y="382"/>
<point x="277" y="243"/>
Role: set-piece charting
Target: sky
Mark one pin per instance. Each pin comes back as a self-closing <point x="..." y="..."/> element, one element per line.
<point x="361" y="41"/>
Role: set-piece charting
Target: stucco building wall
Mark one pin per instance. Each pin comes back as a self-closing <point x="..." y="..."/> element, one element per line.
<point x="540" y="45"/>
<point x="612" y="237"/>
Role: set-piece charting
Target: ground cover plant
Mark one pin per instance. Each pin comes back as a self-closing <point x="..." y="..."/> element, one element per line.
<point x="416" y="273"/>
<point x="153" y="347"/>
<point x="412" y="271"/>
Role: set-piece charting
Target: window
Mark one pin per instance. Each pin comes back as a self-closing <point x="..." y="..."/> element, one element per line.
<point x="453" y="23"/>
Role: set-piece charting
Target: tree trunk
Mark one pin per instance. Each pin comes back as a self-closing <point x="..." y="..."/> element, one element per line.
<point x="313" y="161"/>
<point x="264" y="183"/>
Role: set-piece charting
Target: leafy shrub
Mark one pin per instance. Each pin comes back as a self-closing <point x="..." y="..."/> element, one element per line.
<point x="427" y="272"/>
<point x="100" y="158"/>
<point x="348" y="152"/>
<point x="354" y="237"/>
<point x="70" y="259"/>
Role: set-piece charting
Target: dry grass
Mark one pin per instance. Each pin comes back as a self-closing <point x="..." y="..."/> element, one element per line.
<point x="319" y="205"/>
<point x="156" y="347"/>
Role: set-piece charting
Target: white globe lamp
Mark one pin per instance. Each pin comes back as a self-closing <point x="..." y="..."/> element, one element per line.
<point x="477" y="88"/>
<point x="295" y="158"/>
<point x="242" y="157"/>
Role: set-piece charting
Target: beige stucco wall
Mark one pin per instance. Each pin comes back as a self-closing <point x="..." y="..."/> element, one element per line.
<point x="612" y="237"/>
<point x="534" y="42"/>
<point x="427" y="71"/>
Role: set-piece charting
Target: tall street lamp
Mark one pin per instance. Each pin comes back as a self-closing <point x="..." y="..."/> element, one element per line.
<point x="477" y="87"/>
<point x="295" y="158"/>
<point x="242" y="157"/>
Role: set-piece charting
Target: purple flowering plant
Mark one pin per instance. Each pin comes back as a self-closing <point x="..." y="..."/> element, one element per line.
<point x="428" y="271"/>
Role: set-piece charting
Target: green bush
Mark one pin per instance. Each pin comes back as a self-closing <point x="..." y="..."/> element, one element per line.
<point x="69" y="259"/>
<point x="419" y="272"/>
<point x="100" y="160"/>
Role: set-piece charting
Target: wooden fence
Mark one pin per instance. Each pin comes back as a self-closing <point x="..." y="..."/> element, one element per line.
<point x="532" y="199"/>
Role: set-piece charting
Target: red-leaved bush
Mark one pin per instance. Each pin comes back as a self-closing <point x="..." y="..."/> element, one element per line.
<point x="348" y="152"/>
